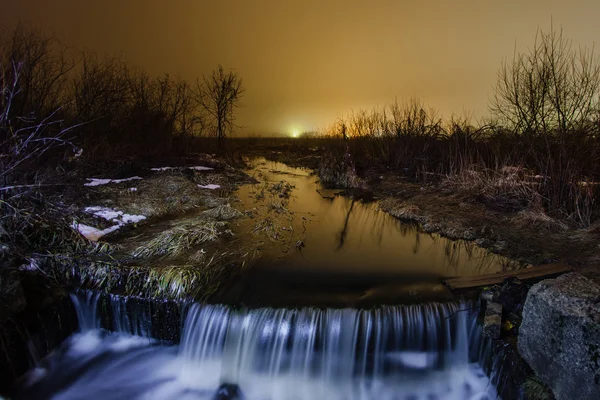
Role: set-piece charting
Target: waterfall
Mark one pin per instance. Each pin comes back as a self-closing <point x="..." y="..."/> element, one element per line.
<point x="336" y="353"/>
<point x="127" y="315"/>
<point x="416" y="352"/>
<point x="86" y="307"/>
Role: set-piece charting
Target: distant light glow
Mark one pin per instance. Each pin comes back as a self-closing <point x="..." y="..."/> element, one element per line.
<point x="295" y="134"/>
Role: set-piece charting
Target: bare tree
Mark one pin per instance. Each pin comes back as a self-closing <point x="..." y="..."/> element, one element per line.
<point x="552" y="87"/>
<point x="219" y="95"/>
<point x="33" y="71"/>
<point x="43" y="65"/>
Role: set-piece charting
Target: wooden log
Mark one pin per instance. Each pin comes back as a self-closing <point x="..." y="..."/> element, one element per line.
<point x="537" y="272"/>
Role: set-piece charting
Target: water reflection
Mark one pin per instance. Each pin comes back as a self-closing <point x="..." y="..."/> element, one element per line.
<point x="342" y="233"/>
<point x="326" y="250"/>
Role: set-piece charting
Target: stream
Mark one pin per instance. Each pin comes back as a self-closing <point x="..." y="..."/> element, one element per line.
<point x="345" y="303"/>
<point x="340" y="251"/>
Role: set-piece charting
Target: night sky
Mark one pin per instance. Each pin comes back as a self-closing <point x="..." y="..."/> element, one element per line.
<point x="306" y="62"/>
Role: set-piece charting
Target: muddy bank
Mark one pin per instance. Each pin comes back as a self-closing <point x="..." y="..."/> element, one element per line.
<point x="193" y="230"/>
<point x="270" y="235"/>
<point x="531" y="238"/>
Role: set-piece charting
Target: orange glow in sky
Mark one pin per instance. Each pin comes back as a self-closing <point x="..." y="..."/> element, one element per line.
<point x="307" y="62"/>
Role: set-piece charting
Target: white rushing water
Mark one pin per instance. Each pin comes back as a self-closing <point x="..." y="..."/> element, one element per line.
<point x="427" y="352"/>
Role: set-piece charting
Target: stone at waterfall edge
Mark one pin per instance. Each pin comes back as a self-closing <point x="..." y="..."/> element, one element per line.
<point x="560" y="335"/>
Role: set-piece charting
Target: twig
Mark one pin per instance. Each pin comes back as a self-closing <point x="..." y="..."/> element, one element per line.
<point x="457" y="311"/>
<point x="30" y="186"/>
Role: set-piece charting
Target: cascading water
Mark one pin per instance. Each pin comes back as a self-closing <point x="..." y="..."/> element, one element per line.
<point x="428" y="351"/>
<point x="404" y="352"/>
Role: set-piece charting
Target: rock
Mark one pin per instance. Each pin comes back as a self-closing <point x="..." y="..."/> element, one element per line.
<point x="493" y="309"/>
<point x="512" y="295"/>
<point x="533" y="389"/>
<point x="487" y="294"/>
<point x="492" y="322"/>
<point x="560" y="335"/>
<point x="228" y="391"/>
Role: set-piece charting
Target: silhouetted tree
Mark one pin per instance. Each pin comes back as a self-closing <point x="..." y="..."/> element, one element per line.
<point x="219" y="96"/>
<point x="33" y="77"/>
<point x="553" y="86"/>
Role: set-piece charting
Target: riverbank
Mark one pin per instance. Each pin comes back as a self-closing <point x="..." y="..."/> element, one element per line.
<point x="454" y="208"/>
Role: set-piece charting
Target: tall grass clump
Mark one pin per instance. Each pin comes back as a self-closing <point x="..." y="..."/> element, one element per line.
<point x="182" y="238"/>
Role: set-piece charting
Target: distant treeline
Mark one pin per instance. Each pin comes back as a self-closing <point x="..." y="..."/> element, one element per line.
<point x="52" y="94"/>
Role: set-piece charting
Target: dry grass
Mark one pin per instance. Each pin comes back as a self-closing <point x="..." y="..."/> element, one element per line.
<point x="180" y="282"/>
<point x="199" y="279"/>
<point x="507" y="181"/>
<point x="33" y="227"/>
<point x="274" y="228"/>
<point x="278" y="207"/>
<point x="401" y="210"/>
<point x="281" y="189"/>
<point x="339" y="171"/>
<point x="178" y="240"/>
<point x="222" y="213"/>
<point x="538" y="218"/>
<point x="156" y="196"/>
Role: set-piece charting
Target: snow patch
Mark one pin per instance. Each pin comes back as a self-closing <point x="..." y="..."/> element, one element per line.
<point x="99" y="181"/>
<point x="103" y="212"/>
<point x="94" y="234"/>
<point x="32" y="266"/>
<point x="209" y="186"/>
<point x="196" y="168"/>
<point x="119" y="218"/>
<point x="132" y="219"/>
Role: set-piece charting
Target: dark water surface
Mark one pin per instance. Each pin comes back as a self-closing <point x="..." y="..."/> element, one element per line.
<point x="341" y="251"/>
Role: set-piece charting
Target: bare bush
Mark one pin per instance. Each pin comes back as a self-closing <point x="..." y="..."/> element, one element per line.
<point x="551" y="87"/>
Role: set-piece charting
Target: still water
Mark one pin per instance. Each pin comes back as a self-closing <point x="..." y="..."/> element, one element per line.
<point x="340" y="251"/>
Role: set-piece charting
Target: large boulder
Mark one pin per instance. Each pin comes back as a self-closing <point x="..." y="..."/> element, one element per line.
<point x="560" y="335"/>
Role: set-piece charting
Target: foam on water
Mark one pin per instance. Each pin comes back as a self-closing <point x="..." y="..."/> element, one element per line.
<point x="428" y="351"/>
